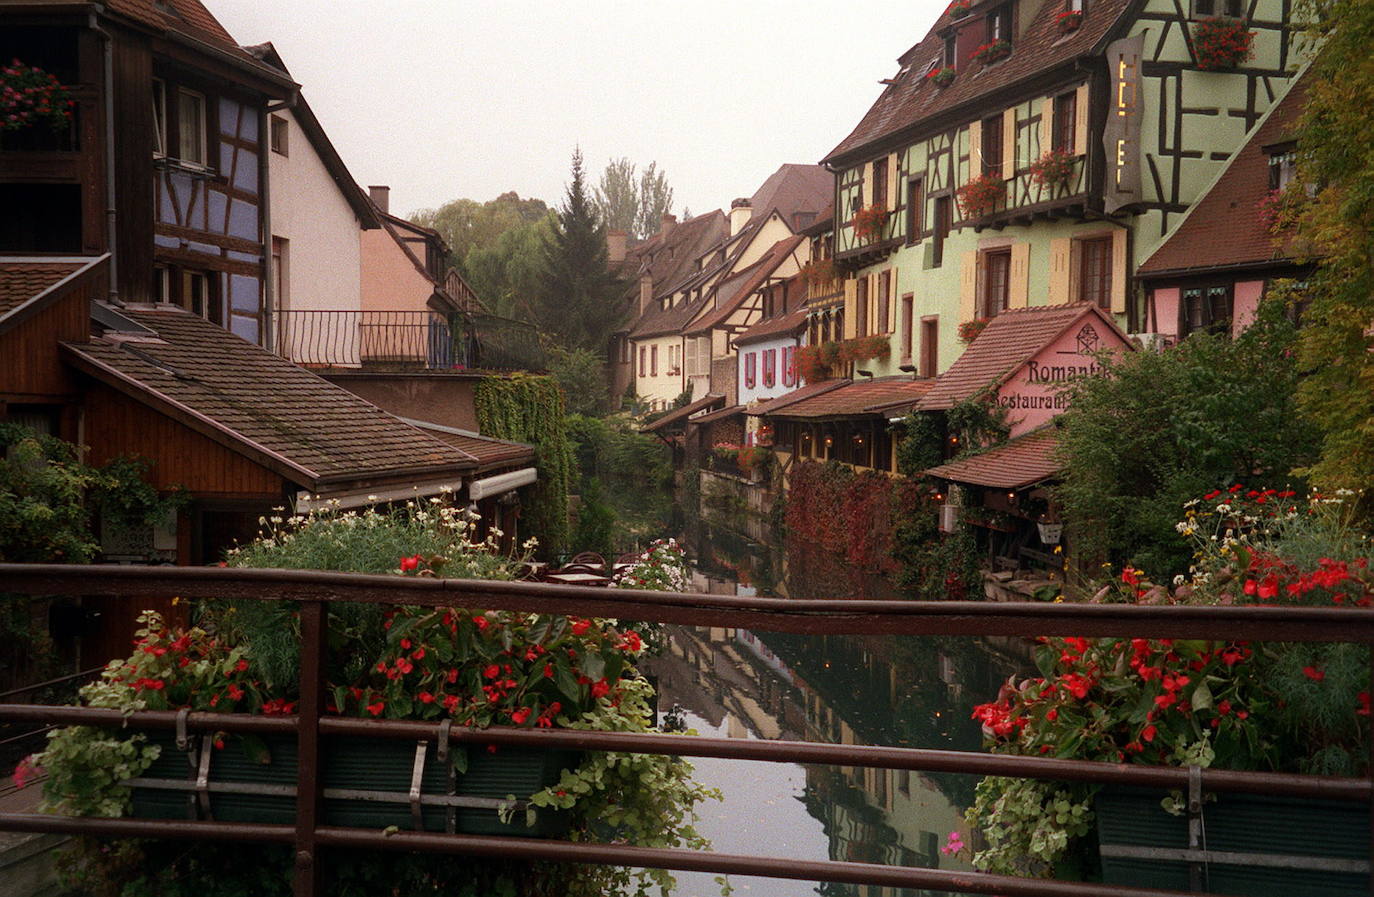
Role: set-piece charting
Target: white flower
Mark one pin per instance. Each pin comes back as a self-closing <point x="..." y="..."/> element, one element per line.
<point x="372" y="498"/>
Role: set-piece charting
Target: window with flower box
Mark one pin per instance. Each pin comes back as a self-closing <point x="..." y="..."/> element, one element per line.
<point x="1206" y="308"/>
<point x="999" y="23"/>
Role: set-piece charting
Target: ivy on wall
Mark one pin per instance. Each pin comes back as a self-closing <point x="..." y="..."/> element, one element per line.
<point x="529" y="408"/>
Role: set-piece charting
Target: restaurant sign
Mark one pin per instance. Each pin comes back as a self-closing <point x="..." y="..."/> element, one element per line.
<point x="1035" y="393"/>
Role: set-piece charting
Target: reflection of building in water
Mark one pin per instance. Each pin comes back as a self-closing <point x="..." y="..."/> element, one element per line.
<point x="904" y="692"/>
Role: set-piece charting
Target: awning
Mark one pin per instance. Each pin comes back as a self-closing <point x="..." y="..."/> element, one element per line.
<point x="680" y="415"/>
<point x="1024" y="461"/>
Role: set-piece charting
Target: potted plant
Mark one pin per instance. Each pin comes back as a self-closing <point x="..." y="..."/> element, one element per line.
<point x="810" y="364"/>
<point x="958" y="8"/>
<point x="1053" y="168"/>
<point x="992" y="51"/>
<point x="29" y="96"/>
<point x="868" y="223"/>
<point x="969" y="330"/>
<point x="1220" y="43"/>
<point x="819" y="274"/>
<point x="980" y="196"/>
<point x="1068" y="20"/>
<point x="941" y="76"/>
<point x="1233" y="705"/>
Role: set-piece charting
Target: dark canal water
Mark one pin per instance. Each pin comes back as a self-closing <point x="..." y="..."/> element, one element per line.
<point x="878" y="690"/>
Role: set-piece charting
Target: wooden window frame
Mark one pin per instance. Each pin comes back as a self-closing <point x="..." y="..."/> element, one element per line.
<point x="1101" y="294"/>
<point x="1213" y="323"/>
<point x="199" y="129"/>
<point x="915" y="209"/>
<point x="906" y="325"/>
<point x="944" y="222"/>
<point x="159" y="101"/>
<point x="999" y="23"/>
<point x="951" y="51"/>
<point x="1064" y="126"/>
<point x="878" y="195"/>
<point x="861" y="307"/>
<point x="279" y="135"/>
<point x="993" y="145"/>
<point x="992" y="301"/>
<point x="929" y="362"/>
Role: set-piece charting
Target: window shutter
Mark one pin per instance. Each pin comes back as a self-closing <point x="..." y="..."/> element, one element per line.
<point x="1046" y="125"/>
<point x="968" y="285"/>
<point x="893" y="187"/>
<point x="865" y="185"/>
<point x="1119" y="271"/>
<point x="851" y="290"/>
<point x="1080" y="124"/>
<point x="975" y="149"/>
<point x="789" y="366"/>
<point x="1009" y="144"/>
<point x="691" y="356"/>
<point x="1061" y="250"/>
<point x="1018" y="290"/>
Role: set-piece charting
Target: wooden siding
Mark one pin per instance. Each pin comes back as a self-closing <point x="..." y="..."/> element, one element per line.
<point x="116" y="424"/>
<point x="30" y="369"/>
<point x="133" y="163"/>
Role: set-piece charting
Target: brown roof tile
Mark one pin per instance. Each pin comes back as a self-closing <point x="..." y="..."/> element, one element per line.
<point x="795" y="190"/>
<point x="22" y="280"/>
<point x="778" y="325"/>
<point x="1040" y="47"/>
<point x="856" y="398"/>
<point x="311" y="431"/>
<point x="1021" y="462"/>
<point x="1010" y="340"/>
<point x="772" y="406"/>
<point x="489" y="452"/>
<point x="733" y="291"/>
<point x="189" y="18"/>
<point x="1223" y="229"/>
<point x="680" y="415"/>
<point x="714" y="416"/>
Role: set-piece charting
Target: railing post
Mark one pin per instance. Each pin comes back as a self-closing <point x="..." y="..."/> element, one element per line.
<point x="307" y="866"/>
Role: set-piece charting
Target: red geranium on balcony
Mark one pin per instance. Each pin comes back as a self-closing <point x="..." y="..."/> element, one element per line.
<point x="1221" y="44"/>
<point x="869" y="222"/>
<point x="980" y="196"/>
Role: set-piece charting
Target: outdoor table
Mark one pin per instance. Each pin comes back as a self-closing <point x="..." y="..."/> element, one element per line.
<point x="578" y="579"/>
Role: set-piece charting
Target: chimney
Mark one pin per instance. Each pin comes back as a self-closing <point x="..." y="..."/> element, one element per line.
<point x="381" y="198"/>
<point x="646" y="292"/>
<point x="740" y="213"/>
<point x="666" y="226"/>
<point x="615" y="245"/>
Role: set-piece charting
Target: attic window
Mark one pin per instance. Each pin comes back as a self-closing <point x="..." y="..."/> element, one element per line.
<point x="999" y="23"/>
<point x="1283" y="165"/>
<point x="951" y="50"/>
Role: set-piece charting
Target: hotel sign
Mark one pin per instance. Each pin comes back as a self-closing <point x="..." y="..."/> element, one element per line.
<point x="1121" y="135"/>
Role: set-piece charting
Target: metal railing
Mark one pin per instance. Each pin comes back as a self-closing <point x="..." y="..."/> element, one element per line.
<point x="314" y="590"/>
<point x="401" y="339"/>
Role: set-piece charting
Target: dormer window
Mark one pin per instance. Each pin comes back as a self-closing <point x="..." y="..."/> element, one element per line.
<point x="1283" y="167"/>
<point x="1074" y="6"/>
<point x="951" y="58"/>
<point x="999" y="23"/>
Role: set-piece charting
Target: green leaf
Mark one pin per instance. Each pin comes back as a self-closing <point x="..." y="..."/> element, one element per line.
<point x="256" y="750"/>
<point x="567" y="683"/>
<point x="460" y="759"/>
<point x="340" y="697"/>
<point x="1202" y="697"/>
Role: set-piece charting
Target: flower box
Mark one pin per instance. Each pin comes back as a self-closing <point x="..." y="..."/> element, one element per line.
<point x="869" y="223"/>
<point x="980" y="196"/>
<point x="992" y="51"/>
<point x="1221" y="44"/>
<point x="366" y="785"/>
<point x="1142" y="845"/>
<point x="942" y="76"/>
<point x="1069" y="20"/>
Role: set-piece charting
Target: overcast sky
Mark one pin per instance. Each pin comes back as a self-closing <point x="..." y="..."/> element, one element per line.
<point x="443" y="99"/>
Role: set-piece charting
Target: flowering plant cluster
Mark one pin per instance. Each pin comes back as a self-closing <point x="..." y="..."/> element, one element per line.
<point x="868" y="223"/>
<point x="992" y="51"/>
<point x="1069" y="20"/>
<point x="810" y="365"/>
<point x="942" y="75"/>
<point x="981" y="195"/>
<point x="819" y="274"/>
<point x="1053" y="168"/>
<point x="29" y="95"/>
<point x="969" y="330"/>
<point x="662" y="567"/>
<point x="958" y="9"/>
<point x="1221" y="43"/>
<point x="1279" y="210"/>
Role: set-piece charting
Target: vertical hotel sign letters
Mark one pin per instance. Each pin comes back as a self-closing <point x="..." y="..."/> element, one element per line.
<point x="1121" y="135"/>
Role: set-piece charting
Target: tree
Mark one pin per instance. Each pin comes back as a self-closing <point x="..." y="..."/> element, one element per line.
<point x="1334" y="152"/>
<point x="466" y="224"/>
<point x="582" y="377"/>
<point x="506" y="274"/>
<point x="617" y="197"/>
<point x="655" y="200"/>
<point x="576" y="300"/>
<point x="1158" y="429"/>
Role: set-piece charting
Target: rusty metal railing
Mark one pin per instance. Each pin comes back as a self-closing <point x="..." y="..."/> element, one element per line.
<point x="313" y="590"/>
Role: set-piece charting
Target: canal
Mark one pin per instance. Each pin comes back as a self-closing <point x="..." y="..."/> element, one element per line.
<point x="876" y="690"/>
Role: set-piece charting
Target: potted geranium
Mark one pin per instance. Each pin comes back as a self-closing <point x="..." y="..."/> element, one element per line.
<point x="1220" y="43"/>
<point x="1068" y="20"/>
<point x="980" y="196"/>
<point x="29" y="96"/>
<point x="810" y="364"/>
<point x="942" y="75"/>
<point x="992" y="51"/>
<point x="868" y="223"/>
<point x="969" y="330"/>
<point x="958" y="8"/>
<point x="1053" y="168"/>
<point x="1233" y="705"/>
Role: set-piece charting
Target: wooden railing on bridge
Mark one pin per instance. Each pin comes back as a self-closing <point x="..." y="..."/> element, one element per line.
<point x="313" y="590"/>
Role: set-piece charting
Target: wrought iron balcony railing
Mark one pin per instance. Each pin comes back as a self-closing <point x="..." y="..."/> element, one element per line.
<point x="405" y="340"/>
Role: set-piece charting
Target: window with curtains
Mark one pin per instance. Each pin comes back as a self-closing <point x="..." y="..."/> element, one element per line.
<point x="751" y="363"/>
<point x="770" y="367"/>
<point x="1205" y="308"/>
<point x="1065" y="120"/>
<point x="992" y="300"/>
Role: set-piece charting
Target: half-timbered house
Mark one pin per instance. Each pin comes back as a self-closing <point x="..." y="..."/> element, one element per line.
<point x="1035" y="153"/>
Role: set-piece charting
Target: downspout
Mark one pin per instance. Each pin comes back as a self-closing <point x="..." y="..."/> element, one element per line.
<point x="111" y="214"/>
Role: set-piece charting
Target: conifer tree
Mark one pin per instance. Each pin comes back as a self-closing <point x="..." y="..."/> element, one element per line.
<point x="577" y="302"/>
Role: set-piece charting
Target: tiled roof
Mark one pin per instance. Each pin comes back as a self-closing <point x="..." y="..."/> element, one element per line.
<point x="303" y="427"/>
<point x="910" y="99"/>
<point x="1021" y="462"/>
<point x="785" y="400"/>
<point x="794" y="189"/>
<point x="192" y="19"/>
<point x="1223" y="229"/>
<point x="681" y="414"/>
<point x="489" y="452"/>
<point x="778" y="325"/>
<point x="714" y="416"/>
<point x="22" y="280"/>
<point x="856" y="398"/>
<point x="732" y="292"/>
<point x="1010" y="340"/>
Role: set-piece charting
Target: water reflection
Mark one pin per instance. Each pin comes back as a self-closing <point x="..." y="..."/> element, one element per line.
<point x="847" y="690"/>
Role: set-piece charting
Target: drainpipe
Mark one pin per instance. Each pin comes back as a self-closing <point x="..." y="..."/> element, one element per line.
<point x="111" y="214"/>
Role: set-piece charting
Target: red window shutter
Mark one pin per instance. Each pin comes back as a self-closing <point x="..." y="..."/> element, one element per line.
<point x="653" y="361"/>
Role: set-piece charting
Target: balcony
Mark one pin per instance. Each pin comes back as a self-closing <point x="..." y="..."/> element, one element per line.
<point x="405" y="341"/>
